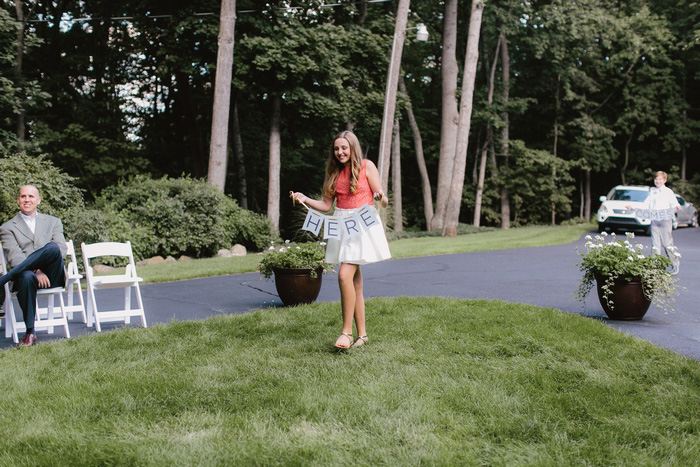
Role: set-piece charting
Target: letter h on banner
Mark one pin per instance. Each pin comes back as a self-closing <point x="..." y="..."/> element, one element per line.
<point x="313" y="222"/>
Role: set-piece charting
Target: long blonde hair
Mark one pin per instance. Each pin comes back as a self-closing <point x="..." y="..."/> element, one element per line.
<point x="333" y="166"/>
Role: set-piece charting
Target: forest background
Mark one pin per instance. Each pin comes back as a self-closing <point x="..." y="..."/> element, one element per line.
<point x="570" y="98"/>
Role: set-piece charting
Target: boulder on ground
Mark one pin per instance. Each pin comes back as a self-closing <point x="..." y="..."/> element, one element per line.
<point x="238" y="250"/>
<point x="153" y="260"/>
<point x="102" y="269"/>
<point x="223" y="253"/>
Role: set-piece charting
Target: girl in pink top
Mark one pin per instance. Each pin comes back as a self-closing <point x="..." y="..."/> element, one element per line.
<point x="352" y="182"/>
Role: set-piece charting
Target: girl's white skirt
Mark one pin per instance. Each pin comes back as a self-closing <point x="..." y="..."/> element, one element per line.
<point x="369" y="247"/>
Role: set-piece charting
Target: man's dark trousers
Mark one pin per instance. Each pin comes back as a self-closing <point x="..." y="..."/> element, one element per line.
<point x="47" y="258"/>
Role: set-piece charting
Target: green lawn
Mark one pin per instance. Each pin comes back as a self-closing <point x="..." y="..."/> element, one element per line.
<point x="442" y="382"/>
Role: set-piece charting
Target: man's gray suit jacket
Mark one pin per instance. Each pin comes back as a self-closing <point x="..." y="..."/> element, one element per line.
<point x="18" y="241"/>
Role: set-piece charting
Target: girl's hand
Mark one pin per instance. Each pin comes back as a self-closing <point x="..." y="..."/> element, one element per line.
<point x="298" y="196"/>
<point x="379" y="196"/>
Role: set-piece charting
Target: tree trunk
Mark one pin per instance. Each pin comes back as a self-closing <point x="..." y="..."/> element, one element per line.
<point x="241" y="185"/>
<point x="556" y="142"/>
<point x="582" y="200"/>
<point x="397" y="200"/>
<point x="683" y="150"/>
<point x="480" y="186"/>
<point x="626" y="162"/>
<point x="362" y="13"/>
<point x="587" y="191"/>
<point x="218" y="148"/>
<point x="489" y="140"/>
<point x="505" y="134"/>
<point x="186" y="106"/>
<point x="420" y="159"/>
<point x="273" y="189"/>
<point x="684" y="159"/>
<point x="392" y="82"/>
<point x="19" y="47"/>
<point x="454" y="201"/>
<point x="450" y="113"/>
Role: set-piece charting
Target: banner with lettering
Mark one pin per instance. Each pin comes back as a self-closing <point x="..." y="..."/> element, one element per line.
<point x="333" y="226"/>
<point x="654" y="214"/>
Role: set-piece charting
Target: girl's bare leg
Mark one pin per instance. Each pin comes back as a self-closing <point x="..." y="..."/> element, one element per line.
<point x="359" y="304"/>
<point x="346" y="281"/>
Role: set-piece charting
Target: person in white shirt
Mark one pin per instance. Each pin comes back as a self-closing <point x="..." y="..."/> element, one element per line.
<point x="34" y="246"/>
<point x="662" y="199"/>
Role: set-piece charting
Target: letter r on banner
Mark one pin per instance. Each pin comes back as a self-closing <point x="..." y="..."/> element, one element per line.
<point x="332" y="229"/>
<point x="313" y="222"/>
<point x="351" y="225"/>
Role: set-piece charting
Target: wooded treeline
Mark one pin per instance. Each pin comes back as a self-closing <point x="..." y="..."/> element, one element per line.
<point x="570" y="97"/>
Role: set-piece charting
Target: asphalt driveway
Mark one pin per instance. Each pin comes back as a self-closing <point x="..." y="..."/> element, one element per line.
<point x="543" y="276"/>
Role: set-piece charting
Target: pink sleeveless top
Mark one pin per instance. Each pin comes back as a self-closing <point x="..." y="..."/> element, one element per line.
<point x="346" y="198"/>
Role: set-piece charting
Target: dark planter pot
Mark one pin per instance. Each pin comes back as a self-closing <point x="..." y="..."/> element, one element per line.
<point x="296" y="286"/>
<point x="629" y="302"/>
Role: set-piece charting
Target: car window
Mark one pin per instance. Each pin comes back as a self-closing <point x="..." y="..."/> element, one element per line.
<point x="681" y="201"/>
<point x="630" y="195"/>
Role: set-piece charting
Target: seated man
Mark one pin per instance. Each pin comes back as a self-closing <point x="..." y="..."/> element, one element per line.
<point x="34" y="247"/>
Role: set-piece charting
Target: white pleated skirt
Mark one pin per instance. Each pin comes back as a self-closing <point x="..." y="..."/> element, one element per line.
<point x="369" y="247"/>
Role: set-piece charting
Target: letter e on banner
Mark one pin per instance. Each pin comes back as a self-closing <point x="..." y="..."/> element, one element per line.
<point x="313" y="222"/>
<point x="367" y="216"/>
<point x="332" y="229"/>
<point x="351" y="225"/>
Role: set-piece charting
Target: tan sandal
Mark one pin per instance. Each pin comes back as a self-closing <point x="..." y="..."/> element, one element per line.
<point x="361" y="340"/>
<point x="349" y="336"/>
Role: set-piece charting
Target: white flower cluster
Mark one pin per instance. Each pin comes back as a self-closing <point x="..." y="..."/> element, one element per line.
<point x="636" y="250"/>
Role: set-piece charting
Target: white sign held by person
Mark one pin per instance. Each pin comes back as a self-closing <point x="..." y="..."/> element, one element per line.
<point x="332" y="229"/>
<point x="361" y="220"/>
<point x="313" y="222"/>
<point x="654" y="214"/>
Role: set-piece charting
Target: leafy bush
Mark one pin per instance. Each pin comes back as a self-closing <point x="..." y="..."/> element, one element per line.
<point x="59" y="195"/>
<point x="179" y="216"/>
<point x="250" y="229"/>
<point x="159" y="216"/>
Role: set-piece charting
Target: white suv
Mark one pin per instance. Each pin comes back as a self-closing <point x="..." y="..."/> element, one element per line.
<point x="617" y="209"/>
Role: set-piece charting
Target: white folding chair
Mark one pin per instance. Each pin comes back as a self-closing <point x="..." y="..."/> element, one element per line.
<point x="46" y="318"/>
<point x="73" y="286"/>
<point x="129" y="281"/>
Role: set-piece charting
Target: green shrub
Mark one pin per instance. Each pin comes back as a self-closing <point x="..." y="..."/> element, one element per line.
<point x="59" y="195"/>
<point x="170" y="216"/>
<point x="159" y="216"/>
<point x="250" y="229"/>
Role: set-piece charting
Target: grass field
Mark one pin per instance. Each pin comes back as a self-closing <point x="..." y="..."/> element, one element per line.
<point x="442" y="382"/>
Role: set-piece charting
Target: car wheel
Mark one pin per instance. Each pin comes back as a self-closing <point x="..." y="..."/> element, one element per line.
<point x="694" y="220"/>
<point x="647" y="230"/>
